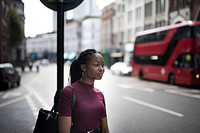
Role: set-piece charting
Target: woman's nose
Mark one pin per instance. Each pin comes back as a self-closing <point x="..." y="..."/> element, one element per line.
<point x="101" y="68"/>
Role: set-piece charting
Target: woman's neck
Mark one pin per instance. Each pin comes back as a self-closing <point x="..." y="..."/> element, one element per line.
<point x="86" y="81"/>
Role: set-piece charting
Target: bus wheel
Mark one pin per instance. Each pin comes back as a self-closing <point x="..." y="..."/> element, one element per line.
<point x="141" y="75"/>
<point x="171" y="79"/>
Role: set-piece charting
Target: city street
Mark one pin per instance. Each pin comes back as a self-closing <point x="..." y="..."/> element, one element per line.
<point x="133" y="105"/>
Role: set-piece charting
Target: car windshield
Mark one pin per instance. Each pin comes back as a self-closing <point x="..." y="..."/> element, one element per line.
<point x="9" y="70"/>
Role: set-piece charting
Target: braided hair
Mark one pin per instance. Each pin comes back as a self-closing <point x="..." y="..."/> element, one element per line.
<point x="75" y="69"/>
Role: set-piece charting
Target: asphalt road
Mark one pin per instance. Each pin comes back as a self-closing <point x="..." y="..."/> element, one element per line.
<point x="133" y="106"/>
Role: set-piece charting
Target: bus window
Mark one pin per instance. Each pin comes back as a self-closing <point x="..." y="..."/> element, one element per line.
<point x="161" y="35"/>
<point x="153" y="37"/>
<point x="139" y="39"/>
<point x="183" y="61"/>
<point x="197" y="31"/>
<point x="184" y="32"/>
<point x="197" y="61"/>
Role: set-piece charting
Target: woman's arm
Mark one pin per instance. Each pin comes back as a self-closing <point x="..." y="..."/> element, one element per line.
<point x="104" y="125"/>
<point x="64" y="124"/>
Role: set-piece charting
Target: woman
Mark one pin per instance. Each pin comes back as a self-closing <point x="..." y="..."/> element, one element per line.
<point x="89" y="113"/>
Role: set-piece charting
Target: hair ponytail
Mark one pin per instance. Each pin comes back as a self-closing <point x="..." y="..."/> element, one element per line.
<point x="75" y="71"/>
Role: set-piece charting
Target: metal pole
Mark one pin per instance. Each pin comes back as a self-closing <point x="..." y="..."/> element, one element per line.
<point x="60" y="45"/>
<point x="60" y="50"/>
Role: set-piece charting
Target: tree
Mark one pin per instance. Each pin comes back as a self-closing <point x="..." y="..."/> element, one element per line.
<point x="16" y="29"/>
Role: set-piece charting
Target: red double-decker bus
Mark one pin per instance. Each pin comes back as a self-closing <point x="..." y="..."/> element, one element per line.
<point x="169" y="54"/>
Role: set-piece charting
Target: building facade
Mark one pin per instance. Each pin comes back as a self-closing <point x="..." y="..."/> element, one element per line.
<point x="18" y="54"/>
<point x="141" y="15"/>
<point x="86" y="16"/>
<point x="42" y="46"/>
<point x="91" y="33"/>
<point x="8" y="53"/>
<point x="184" y="10"/>
<point x="71" y="38"/>
<point x="108" y="13"/>
<point x="155" y="13"/>
<point x="118" y="24"/>
<point x="4" y="30"/>
<point x="86" y="8"/>
<point x="120" y="21"/>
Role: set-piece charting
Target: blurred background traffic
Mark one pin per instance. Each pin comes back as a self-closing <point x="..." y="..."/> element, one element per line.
<point x="142" y="41"/>
<point x="111" y="29"/>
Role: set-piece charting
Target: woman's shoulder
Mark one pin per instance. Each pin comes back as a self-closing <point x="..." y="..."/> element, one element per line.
<point x="96" y="90"/>
<point x="67" y="89"/>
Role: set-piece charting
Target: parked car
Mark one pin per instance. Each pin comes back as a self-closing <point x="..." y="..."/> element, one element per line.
<point x="44" y="62"/>
<point x="121" y="68"/>
<point x="8" y="76"/>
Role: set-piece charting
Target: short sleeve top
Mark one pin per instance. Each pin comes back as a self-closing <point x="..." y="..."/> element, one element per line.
<point x="89" y="106"/>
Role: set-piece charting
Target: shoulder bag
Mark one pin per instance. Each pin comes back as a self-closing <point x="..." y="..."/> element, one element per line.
<point x="47" y="120"/>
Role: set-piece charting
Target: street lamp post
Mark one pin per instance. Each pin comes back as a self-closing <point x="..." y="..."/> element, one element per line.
<point x="60" y="46"/>
<point x="60" y="6"/>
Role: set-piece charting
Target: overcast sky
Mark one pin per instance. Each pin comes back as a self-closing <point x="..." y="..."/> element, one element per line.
<point x="39" y="18"/>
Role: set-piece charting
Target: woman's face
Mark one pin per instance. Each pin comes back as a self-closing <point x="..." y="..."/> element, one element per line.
<point x="94" y="68"/>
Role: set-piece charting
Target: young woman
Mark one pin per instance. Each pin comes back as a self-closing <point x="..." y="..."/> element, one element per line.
<point x="89" y="114"/>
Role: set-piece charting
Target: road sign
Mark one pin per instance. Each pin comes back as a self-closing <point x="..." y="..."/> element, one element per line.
<point x="67" y="4"/>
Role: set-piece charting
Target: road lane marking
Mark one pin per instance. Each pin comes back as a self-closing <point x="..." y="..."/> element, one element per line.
<point x="32" y="105"/>
<point x="153" y="106"/>
<point x="183" y="93"/>
<point x="11" y="94"/>
<point x="13" y="101"/>
<point x="146" y="89"/>
<point x="37" y="95"/>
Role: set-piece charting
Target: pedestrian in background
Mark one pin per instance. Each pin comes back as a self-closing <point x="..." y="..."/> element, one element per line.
<point x="37" y="65"/>
<point x="89" y="114"/>
<point x="30" y="65"/>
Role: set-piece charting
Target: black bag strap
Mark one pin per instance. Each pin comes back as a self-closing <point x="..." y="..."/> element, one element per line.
<point x="74" y="97"/>
<point x="56" y="99"/>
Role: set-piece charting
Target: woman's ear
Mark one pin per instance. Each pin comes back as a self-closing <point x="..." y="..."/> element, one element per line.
<point x="83" y="67"/>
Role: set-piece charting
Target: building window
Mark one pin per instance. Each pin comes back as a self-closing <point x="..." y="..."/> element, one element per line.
<point x="129" y="17"/>
<point x="129" y="1"/>
<point x="137" y="29"/>
<point x="160" y="6"/>
<point x="148" y="26"/>
<point x="148" y="9"/>
<point x="138" y="13"/>
<point x="129" y="35"/>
